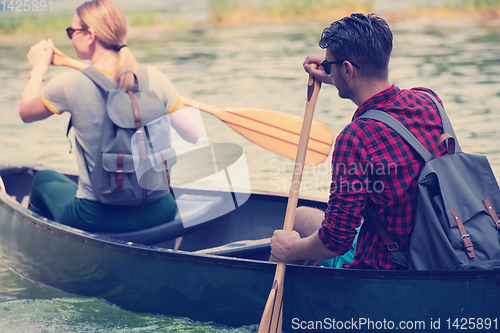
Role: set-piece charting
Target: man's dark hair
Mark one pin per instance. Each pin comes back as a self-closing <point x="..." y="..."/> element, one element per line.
<point x="364" y="40"/>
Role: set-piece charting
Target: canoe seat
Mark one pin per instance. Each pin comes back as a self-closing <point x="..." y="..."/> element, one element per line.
<point x="193" y="208"/>
<point x="259" y="249"/>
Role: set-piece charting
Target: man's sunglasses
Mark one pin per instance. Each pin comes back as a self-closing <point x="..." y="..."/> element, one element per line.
<point x="327" y="65"/>
<point x="71" y="31"/>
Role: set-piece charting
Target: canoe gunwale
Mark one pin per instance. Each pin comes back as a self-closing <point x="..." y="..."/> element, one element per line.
<point x="91" y="239"/>
<point x="151" y="251"/>
<point x="99" y="241"/>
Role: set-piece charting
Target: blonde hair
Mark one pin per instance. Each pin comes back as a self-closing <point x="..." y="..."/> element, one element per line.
<point x="109" y="22"/>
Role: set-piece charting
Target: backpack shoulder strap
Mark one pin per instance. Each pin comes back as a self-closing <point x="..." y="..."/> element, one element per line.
<point x="101" y="81"/>
<point x="447" y="127"/>
<point x="98" y="78"/>
<point x="392" y="246"/>
<point x="393" y="123"/>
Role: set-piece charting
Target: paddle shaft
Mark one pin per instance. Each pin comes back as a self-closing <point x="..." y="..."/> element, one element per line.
<point x="271" y="320"/>
<point x="2" y="186"/>
<point x="276" y="131"/>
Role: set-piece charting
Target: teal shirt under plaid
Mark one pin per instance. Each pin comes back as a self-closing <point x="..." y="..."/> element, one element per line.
<point x="373" y="166"/>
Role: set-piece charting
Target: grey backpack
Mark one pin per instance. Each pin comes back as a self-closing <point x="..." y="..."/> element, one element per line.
<point x="135" y="152"/>
<point x="456" y="226"/>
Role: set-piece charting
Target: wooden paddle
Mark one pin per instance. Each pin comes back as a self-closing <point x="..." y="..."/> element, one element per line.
<point x="271" y="320"/>
<point x="2" y="186"/>
<point x="276" y="131"/>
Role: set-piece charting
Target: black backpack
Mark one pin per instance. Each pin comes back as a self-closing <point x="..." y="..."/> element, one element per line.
<point x="132" y="166"/>
<point x="456" y="226"/>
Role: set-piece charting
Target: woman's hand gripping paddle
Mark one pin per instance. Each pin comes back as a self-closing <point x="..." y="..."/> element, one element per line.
<point x="273" y="312"/>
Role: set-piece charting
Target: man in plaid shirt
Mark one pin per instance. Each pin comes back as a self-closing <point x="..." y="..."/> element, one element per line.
<point x="373" y="168"/>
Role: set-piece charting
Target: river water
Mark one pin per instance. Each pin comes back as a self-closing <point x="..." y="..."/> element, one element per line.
<point x="257" y="66"/>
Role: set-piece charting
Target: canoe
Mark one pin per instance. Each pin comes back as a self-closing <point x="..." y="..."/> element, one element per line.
<point x="218" y="274"/>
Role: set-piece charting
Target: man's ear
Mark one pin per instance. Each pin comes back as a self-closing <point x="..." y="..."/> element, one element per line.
<point x="347" y="69"/>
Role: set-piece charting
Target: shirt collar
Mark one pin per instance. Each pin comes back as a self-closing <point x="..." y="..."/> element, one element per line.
<point x="377" y="99"/>
<point x="105" y="72"/>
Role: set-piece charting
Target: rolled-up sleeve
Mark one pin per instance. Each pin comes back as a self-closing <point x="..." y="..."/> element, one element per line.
<point x="348" y="191"/>
<point x="53" y="96"/>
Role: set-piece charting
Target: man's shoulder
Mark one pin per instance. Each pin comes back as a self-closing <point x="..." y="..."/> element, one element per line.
<point x="354" y="131"/>
<point x="409" y="103"/>
<point x="420" y="90"/>
<point x="423" y="92"/>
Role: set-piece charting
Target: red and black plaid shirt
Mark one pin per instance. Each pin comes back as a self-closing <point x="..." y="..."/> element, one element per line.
<point x="373" y="166"/>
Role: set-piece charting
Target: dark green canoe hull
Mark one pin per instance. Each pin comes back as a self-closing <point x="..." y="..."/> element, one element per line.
<point x="230" y="290"/>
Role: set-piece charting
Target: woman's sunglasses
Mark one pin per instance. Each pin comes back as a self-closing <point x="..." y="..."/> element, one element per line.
<point x="327" y="65"/>
<point x="71" y="31"/>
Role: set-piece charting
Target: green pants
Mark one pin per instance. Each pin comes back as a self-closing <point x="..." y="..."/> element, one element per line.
<point x="53" y="196"/>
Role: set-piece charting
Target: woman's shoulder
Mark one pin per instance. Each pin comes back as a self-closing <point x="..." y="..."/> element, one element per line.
<point x="69" y="79"/>
<point x="154" y="71"/>
<point x="67" y="88"/>
<point x="158" y="80"/>
<point x="69" y="75"/>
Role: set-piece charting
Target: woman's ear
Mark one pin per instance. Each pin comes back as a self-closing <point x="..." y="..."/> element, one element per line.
<point x="91" y="38"/>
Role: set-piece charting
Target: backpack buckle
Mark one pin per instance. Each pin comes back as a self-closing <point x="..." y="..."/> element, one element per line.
<point x="466" y="235"/>
<point x="393" y="247"/>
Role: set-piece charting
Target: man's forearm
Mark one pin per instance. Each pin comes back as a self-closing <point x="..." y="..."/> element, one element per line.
<point x="288" y="246"/>
<point x="311" y="248"/>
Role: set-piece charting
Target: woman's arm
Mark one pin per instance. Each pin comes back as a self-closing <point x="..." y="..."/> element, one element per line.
<point x="31" y="107"/>
<point x="184" y="124"/>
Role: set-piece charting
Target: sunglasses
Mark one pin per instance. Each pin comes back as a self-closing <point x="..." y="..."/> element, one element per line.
<point x="71" y="31"/>
<point x="327" y="65"/>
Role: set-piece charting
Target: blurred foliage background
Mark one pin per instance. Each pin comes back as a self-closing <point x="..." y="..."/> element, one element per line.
<point x="244" y="12"/>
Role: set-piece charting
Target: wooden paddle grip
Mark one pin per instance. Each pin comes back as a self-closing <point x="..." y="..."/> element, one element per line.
<point x="312" y="96"/>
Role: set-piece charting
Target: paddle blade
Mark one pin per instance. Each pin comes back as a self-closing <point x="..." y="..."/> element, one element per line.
<point x="276" y="131"/>
<point x="279" y="132"/>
